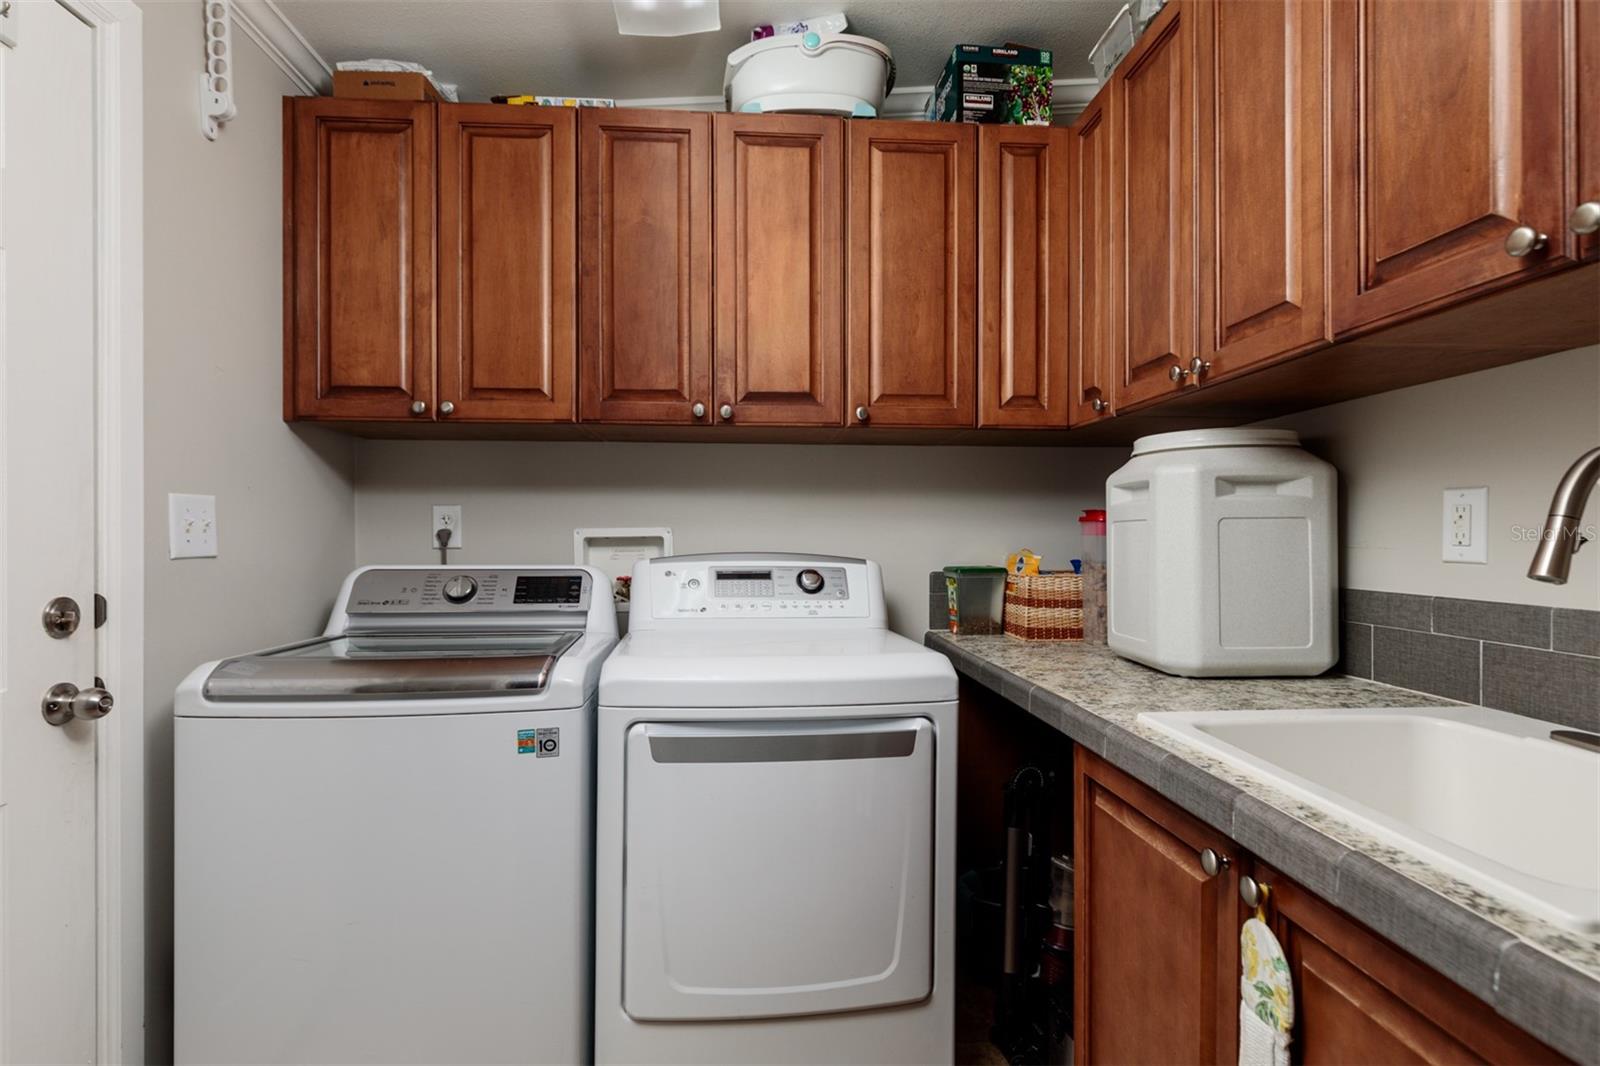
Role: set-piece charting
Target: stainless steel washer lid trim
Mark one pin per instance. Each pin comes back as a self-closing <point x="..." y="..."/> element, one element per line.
<point x="301" y="672"/>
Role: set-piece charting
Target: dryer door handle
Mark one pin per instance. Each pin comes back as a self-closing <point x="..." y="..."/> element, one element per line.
<point x="750" y="742"/>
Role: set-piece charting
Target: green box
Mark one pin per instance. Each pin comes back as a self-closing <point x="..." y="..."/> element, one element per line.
<point x="994" y="83"/>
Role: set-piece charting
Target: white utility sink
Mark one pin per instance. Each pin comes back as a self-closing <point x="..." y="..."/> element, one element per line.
<point x="1484" y="793"/>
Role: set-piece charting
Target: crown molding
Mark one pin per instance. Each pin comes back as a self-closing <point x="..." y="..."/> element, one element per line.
<point x="285" y="45"/>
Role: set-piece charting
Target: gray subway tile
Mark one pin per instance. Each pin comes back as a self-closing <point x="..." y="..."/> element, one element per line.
<point x="1442" y="934"/>
<point x="1576" y="631"/>
<point x="1134" y="755"/>
<point x="1399" y="610"/>
<point x="1543" y="684"/>
<point x="1508" y="623"/>
<point x="1045" y="706"/>
<point x="936" y="581"/>
<point x="1288" y="844"/>
<point x="1427" y="662"/>
<point x="1355" y="650"/>
<point x="1203" y="795"/>
<point x="1015" y="688"/>
<point x="938" y="612"/>
<point x="1553" y="1002"/>
<point x="1085" y="728"/>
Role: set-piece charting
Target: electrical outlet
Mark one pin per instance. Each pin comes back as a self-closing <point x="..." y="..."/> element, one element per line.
<point x="1466" y="525"/>
<point x="447" y="516"/>
<point x="191" y="526"/>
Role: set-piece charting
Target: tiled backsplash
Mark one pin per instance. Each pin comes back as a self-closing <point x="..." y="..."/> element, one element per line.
<point x="1543" y="662"/>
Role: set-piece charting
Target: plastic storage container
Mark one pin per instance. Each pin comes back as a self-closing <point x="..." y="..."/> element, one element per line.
<point x="1113" y="44"/>
<point x="830" y="73"/>
<point x="977" y="596"/>
<point x="1092" y="531"/>
<point x="1222" y="555"/>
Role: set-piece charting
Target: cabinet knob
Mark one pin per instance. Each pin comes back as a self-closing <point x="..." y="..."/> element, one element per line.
<point x="447" y="408"/>
<point x="1253" y="892"/>
<point x="1176" y="373"/>
<point x="861" y="413"/>
<point x="1524" y="240"/>
<point x="1097" y="405"/>
<point x="725" y="412"/>
<point x="1212" y="862"/>
<point x="1198" y="367"/>
<point x="698" y="410"/>
<point x="1585" y="218"/>
<point x="418" y="407"/>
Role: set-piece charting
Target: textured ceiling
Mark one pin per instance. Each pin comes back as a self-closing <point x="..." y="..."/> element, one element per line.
<point x="571" y="47"/>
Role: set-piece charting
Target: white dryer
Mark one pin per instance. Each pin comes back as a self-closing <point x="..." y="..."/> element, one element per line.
<point x="384" y="835"/>
<point x="775" y="821"/>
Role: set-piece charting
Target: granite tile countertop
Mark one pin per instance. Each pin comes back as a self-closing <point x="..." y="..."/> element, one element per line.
<point x="1541" y="977"/>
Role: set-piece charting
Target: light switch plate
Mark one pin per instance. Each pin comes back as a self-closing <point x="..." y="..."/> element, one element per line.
<point x="1466" y="525"/>
<point x="191" y="526"/>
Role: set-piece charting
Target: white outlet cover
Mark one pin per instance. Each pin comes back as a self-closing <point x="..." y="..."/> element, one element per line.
<point x="447" y="514"/>
<point x="191" y="526"/>
<point x="1476" y="550"/>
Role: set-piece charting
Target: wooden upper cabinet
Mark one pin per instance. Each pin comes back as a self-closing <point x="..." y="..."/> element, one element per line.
<point x="1263" y="245"/>
<point x="1154" y="208"/>
<point x="507" y="266"/>
<point x="644" y="265"/>
<point x="1153" y="928"/>
<point x="780" y="269"/>
<point x="1358" y="998"/>
<point x="912" y="335"/>
<point x="1091" y="267"/>
<point x="1585" y="125"/>
<point x="358" y="251"/>
<point x="1446" y="127"/>
<point x="1022" y="276"/>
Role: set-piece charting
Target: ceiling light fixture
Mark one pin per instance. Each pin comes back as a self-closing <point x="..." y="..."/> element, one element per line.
<point x="666" y="18"/>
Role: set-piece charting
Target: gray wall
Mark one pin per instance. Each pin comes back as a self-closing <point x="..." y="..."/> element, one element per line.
<point x="912" y="509"/>
<point x="213" y="357"/>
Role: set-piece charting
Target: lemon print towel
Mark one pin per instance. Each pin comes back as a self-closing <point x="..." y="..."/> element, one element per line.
<point x="1266" y="997"/>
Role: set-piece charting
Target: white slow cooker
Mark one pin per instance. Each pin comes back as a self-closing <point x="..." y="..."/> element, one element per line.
<point x="830" y="73"/>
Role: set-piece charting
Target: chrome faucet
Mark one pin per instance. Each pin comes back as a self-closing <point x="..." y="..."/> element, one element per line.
<point x="1561" y="538"/>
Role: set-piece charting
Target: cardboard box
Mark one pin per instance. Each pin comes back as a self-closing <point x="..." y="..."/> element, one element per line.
<point x="384" y="85"/>
<point x="994" y="83"/>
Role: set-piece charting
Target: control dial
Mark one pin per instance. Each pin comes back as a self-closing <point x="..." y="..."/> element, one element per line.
<point x="460" y="588"/>
<point x="810" y="582"/>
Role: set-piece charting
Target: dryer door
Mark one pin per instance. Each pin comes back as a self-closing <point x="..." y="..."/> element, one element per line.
<point x="777" y="868"/>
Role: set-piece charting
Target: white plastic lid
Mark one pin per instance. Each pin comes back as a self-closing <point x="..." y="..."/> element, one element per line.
<point x="1216" y="438"/>
<point x="810" y="43"/>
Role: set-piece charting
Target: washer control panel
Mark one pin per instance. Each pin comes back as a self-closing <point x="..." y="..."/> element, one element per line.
<point x="684" y="589"/>
<point x="476" y="591"/>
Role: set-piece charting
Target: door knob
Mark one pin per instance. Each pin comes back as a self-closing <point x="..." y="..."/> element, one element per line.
<point x="1097" y="405"/>
<point x="1212" y="862"/>
<point x="725" y="412"/>
<point x="1524" y="240"/>
<point x="66" y="701"/>
<point x="418" y="407"/>
<point x="447" y="408"/>
<point x="1585" y="217"/>
<point x="861" y="413"/>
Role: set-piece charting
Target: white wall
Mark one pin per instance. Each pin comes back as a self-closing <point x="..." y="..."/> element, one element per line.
<point x="213" y="353"/>
<point x="1513" y="429"/>
<point x="912" y="509"/>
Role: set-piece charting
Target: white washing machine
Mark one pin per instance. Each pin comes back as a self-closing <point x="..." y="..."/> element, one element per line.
<point x="775" y="821"/>
<point x="384" y="835"/>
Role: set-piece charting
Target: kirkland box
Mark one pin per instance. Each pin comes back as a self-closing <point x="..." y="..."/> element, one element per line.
<point x="994" y="83"/>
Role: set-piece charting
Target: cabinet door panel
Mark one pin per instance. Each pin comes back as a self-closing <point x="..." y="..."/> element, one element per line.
<point x="1022" y="276"/>
<point x="1446" y="132"/>
<point x="1153" y="96"/>
<point x="644" y="261"/>
<point x="359" y="223"/>
<point x="1263" y="245"/>
<point x="780" y="269"/>
<point x="1584" y="129"/>
<point x="507" y="285"/>
<point x="913" y="271"/>
<point x="1089" y="239"/>
<point x="1152" y="928"/>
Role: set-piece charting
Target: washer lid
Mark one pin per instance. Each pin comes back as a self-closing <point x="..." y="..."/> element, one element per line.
<point x="1216" y="438"/>
<point x="773" y="668"/>
<point x="393" y="665"/>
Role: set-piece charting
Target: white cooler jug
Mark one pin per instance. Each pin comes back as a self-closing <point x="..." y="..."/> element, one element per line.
<point x="1222" y="555"/>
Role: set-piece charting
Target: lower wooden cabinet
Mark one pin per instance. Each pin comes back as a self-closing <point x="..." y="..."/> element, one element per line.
<point x="1157" y="942"/>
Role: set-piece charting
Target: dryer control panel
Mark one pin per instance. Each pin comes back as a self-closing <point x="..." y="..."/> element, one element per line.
<point x="739" y="588"/>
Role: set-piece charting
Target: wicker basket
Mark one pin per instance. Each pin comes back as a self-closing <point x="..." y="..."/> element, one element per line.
<point x="1045" y="606"/>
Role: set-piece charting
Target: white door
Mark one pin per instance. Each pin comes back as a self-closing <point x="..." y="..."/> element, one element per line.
<point x="48" y="978"/>
<point x="777" y="868"/>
